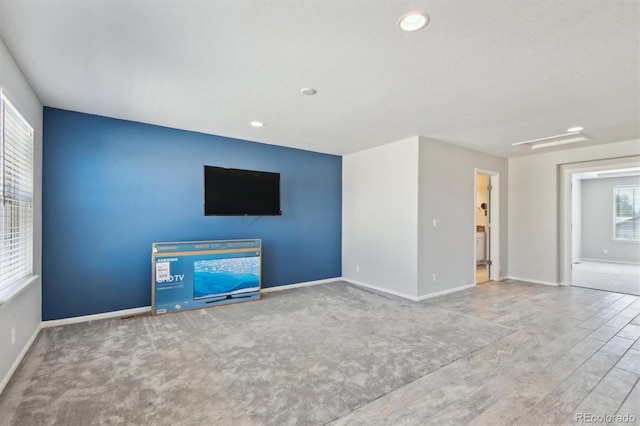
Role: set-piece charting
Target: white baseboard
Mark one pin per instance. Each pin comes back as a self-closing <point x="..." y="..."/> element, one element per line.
<point x="94" y="317"/>
<point x="502" y="278"/>
<point x="380" y="289"/>
<point x="297" y="285"/>
<point x="145" y="309"/>
<point x="407" y="296"/>
<point x="15" y="365"/>
<point x="587" y="259"/>
<point x="529" y="280"/>
<point x="443" y="292"/>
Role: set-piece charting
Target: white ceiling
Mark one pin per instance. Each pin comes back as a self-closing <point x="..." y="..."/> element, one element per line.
<point x="483" y="74"/>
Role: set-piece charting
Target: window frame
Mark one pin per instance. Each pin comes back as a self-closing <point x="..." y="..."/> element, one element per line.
<point x="10" y="289"/>
<point x="636" y="188"/>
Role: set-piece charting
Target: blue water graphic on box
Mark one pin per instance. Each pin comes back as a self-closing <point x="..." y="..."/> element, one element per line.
<point x="196" y="274"/>
<point x="221" y="277"/>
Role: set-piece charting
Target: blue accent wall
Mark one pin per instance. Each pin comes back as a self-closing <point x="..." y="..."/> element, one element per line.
<point x="112" y="187"/>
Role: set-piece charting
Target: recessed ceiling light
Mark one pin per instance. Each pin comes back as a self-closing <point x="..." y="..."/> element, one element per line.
<point x="308" y="91"/>
<point x="414" y="21"/>
<point x="575" y="129"/>
<point x="257" y="124"/>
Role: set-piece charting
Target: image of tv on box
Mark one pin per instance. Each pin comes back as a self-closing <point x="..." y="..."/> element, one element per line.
<point x="197" y="274"/>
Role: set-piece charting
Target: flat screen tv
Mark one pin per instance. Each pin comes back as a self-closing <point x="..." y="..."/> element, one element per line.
<point x="236" y="192"/>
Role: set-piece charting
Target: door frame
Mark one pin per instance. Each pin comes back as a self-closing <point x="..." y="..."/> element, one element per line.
<point x="494" y="220"/>
<point x="566" y="208"/>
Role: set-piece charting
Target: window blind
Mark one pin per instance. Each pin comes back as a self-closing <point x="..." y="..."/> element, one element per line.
<point x="626" y="213"/>
<point x="16" y="196"/>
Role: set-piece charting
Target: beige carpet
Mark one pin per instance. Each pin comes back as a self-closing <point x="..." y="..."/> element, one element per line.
<point x="616" y="277"/>
<point x="301" y="357"/>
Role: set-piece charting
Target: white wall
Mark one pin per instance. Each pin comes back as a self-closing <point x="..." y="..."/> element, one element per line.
<point x="597" y="220"/>
<point x="23" y="311"/>
<point x="534" y="207"/>
<point x="576" y="219"/>
<point x="447" y="189"/>
<point x="380" y="216"/>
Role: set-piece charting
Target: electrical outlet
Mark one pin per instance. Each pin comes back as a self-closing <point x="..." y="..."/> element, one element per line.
<point x="605" y="251"/>
<point x="435" y="224"/>
<point x="357" y="268"/>
<point x="434" y="277"/>
<point x="13" y="335"/>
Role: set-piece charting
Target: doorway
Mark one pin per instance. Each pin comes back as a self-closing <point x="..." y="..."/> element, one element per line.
<point x="600" y="224"/>
<point x="486" y="228"/>
<point x="605" y="217"/>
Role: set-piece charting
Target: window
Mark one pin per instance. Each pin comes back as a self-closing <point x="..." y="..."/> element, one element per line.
<point x="16" y="196"/>
<point x="626" y="213"/>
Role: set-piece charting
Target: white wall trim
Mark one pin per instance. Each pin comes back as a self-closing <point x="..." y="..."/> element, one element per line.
<point x="297" y="285"/>
<point x="529" y="280"/>
<point x="493" y="245"/>
<point x="18" y="360"/>
<point x="380" y="289"/>
<point x="502" y="278"/>
<point x="443" y="292"/>
<point x="95" y="317"/>
<point x="587" y="259"/>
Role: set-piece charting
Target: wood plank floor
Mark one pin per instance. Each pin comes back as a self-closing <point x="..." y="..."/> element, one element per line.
<point x="575" y="355"/>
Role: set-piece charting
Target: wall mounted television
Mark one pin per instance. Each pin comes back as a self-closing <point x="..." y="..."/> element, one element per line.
<point x="236" y="192"/>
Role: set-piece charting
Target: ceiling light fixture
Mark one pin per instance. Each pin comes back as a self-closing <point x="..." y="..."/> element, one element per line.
<point x="575" y="129"/>
<point x="257" y="124"/>
<point x="413" y="21"/>
<point x="308" y="91"/>
<point x="567" y="138"/>
<point x="632" y="171"/>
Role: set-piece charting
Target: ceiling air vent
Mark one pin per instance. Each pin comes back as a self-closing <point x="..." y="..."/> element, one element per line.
<point x="567" y="138"/>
